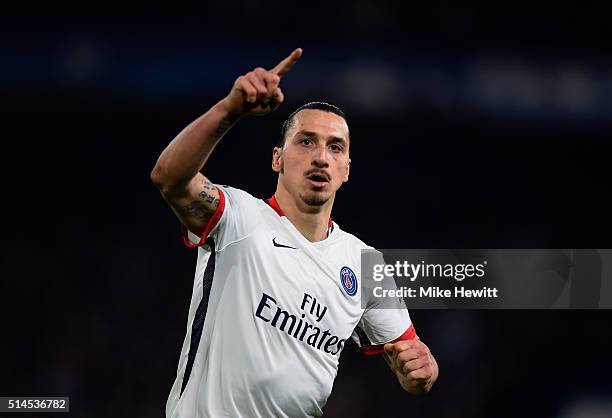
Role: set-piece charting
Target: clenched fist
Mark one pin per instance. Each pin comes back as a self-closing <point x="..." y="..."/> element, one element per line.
<point x="413" y="364"/>
<point x="258" y="92"/>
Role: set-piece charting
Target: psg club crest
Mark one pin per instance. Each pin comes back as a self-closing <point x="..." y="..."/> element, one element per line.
<point x="348" y="280"/>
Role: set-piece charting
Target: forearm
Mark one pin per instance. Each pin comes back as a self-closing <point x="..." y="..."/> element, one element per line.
<point x="256" y="93"/>
<point x="185" y="156"/>
<point x="193" y="198"/>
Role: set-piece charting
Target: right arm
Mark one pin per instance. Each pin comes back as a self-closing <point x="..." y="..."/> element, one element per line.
<point x="193" y="197"/>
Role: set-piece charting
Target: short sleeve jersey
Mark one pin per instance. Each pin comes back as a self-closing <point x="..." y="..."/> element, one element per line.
<point x="270" y="314"/>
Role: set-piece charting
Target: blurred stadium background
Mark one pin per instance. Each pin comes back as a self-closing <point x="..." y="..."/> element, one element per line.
<point x="482" y="126"/>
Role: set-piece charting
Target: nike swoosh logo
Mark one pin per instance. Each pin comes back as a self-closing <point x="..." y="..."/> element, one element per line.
<point x="276" y="244"/>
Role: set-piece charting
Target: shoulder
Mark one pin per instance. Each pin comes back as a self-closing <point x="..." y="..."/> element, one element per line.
<point x="238" y="198"/>
<point x="350" y="239"/>
<point x="240" y="214"/>
<point x="235" y="193"/>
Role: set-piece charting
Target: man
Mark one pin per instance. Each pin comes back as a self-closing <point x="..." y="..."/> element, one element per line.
<point x="276" y="290"/>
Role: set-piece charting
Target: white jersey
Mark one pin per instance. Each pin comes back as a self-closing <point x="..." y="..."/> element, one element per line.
<point x="270" y="314"/>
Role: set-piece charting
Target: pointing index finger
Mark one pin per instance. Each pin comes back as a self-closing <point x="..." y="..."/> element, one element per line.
<point x="286" y="64"/>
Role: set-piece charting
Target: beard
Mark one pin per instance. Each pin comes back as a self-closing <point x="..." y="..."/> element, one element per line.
<point x="314" y="199"/>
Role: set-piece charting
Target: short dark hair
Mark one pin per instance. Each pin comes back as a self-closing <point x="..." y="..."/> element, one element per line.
<point x="325" y="107"/>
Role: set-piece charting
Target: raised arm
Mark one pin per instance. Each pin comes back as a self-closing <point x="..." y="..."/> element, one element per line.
<point x="177" y="173"/>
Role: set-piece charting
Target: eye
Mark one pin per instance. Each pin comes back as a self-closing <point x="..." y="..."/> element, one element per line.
<point x="306" y="141"/>
<point x="336" y="147"/>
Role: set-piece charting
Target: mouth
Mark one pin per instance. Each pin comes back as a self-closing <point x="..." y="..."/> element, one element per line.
<point x="318" y="180"/>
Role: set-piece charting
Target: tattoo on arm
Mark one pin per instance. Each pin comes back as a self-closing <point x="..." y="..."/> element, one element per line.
<point x="208" y="185"/>
<point x="206" y="194"/>
<point x="197" y="209"/>
<point x="201" y="209"/>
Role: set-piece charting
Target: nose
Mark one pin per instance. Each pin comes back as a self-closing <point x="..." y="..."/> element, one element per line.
<point x="320" y="157"/>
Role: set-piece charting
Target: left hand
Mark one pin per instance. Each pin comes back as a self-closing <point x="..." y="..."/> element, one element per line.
<point x="413" y="364"/>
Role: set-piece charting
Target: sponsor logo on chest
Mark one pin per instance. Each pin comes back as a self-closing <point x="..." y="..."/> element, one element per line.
<point x="297" y="325"/>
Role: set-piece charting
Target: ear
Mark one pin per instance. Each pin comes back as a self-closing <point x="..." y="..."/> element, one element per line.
<point x="277" y="162"/>
<point x="348" y="169"/>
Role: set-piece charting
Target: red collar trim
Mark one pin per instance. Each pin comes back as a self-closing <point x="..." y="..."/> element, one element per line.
<point x="274" y="205"/>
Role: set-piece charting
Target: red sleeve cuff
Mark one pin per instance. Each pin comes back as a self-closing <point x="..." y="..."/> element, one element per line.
<point x="371" y="350"/>
<point x="214" y="220"/>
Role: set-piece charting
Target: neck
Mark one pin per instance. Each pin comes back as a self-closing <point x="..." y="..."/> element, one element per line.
<point x="311" y="221"/>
